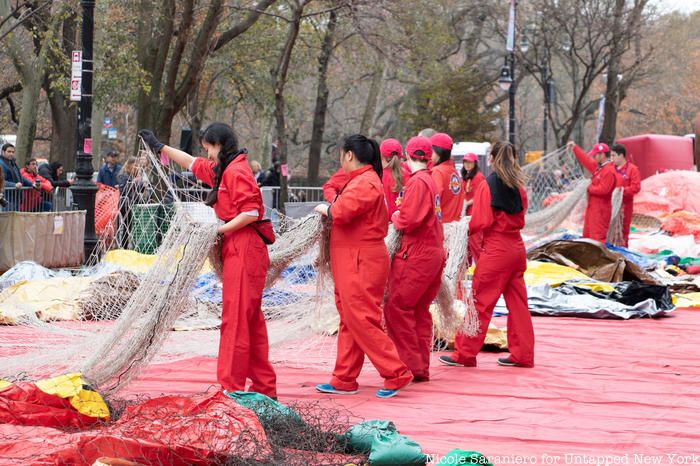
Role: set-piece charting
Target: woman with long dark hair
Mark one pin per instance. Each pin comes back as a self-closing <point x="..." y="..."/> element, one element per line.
<point x="360" y="268"/>
<point x="236" y="199"/>
<point x="499" y="212"/>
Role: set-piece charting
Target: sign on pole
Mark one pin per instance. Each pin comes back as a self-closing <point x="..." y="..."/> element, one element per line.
<point x="76" y="78"/>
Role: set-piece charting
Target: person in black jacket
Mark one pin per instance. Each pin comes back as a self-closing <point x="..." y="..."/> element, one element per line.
<point x="53" y="172"/>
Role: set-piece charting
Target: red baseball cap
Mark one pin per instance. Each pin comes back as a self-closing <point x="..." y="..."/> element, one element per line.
<point x="442" y="140"/>
<point x="390" y="147"/>
<point x="470" y="157"/>
<point x="599" y="148"/>
<point x="419" y="143"/>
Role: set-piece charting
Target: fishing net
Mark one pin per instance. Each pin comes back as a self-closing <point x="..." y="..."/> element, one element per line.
<point x="557" y="187"/>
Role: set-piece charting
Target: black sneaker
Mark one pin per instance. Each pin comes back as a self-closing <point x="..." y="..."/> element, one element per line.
<point x="449" y="361"/>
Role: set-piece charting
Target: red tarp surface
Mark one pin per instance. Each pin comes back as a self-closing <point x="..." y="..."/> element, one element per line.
<point x="600" y="387"/>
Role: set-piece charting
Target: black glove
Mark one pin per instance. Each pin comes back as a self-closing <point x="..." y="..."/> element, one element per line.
<point x="151" y="141"/>
<point x="3" y="201"/>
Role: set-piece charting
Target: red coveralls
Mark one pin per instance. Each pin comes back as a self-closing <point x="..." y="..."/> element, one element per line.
<point x="243" y="348"/>
<point x="415" y="275"/>
<point x="499" y="271"/>
<point x="632" y="184"/>
<point x="449" y="186"/>
<point x="599" y="209"/>
<point x="389" y="194"/>
<point x="360" y="268"/>
<point x="475" y="239"/>
<point x="335" y="183"/>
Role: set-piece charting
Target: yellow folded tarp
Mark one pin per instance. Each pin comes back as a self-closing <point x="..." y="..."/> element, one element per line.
<point x="51" y="299"/>
<point x="687" y="300"/>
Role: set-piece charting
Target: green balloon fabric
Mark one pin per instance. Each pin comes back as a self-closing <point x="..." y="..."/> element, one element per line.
<point x="384" y="444"/>
<point x="265" y="407"/>
<point x="458" y="456"/>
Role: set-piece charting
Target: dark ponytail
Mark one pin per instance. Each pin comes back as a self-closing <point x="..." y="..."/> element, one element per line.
<point x="221" y="134"/>
<point x="366" y="151"/>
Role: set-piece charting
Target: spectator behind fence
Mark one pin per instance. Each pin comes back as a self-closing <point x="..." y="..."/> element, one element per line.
<point x="258" y="172"/>
<point x="36" y="199"/>
<point x="3" y="201"/>
<point x="109" y="172"/>
<point x="272" y="176"/>
<point x="13" y="177"/>
<point x="53" y="172"/>
<point x="132" y="190"/>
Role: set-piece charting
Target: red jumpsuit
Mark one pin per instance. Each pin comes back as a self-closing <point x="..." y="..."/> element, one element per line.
<point x="360" y="268"/>
<point x="334" y="185"/>
<point x="632" y="184"/>
<point x="599" y="209"/>
<point x="475" y="239"/>
<point x="243" y="348"/>
<point x="499" y="271"/>
<point x="415" y="276"/>
<point x="389" y="194"/>
<point x="449" y="186"/>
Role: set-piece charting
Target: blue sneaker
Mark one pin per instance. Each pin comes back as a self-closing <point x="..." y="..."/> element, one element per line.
<point x="328" y="388"/>
<point x="386" y="393"/>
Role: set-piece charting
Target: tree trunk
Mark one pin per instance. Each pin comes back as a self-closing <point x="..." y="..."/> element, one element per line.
<point x="372" y="96"/>
<point x="612" y="91"/>
<point x="321" y="109"/>
<point x="64" y="114"/>
<point x="64" y="131"/>
<point x="98" y="116"/>
<point x="281" y="72"/>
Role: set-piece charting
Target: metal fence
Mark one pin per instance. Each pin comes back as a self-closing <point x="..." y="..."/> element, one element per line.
<point x="295" y="194"/>
<point x="61" y="199"/>
<point x="26" y="199"/>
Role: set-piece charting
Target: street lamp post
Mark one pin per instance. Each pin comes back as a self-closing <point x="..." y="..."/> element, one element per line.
<point x="84" y="189"/>
<point x="507" y="79"/>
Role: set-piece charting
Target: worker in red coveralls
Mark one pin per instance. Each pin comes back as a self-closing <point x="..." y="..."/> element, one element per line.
<point x="471" y="179"/>
<point x="416" y="269"/>
<point x="604" y="181"/>
<point x="499" y="212"/>
<point x="631" y="183"/>
<point x="360" y="268"/>
<point x="35" y="199"/>
<point x="446" y="178"/>
<point x="392" y="173"/>
<point x="236" y="199"/>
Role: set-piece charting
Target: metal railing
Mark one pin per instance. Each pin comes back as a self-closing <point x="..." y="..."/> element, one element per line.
<point x="27" y="199"/>
<point x="271" y="195"/>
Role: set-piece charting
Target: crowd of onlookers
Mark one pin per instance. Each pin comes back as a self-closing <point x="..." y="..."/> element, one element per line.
<point x="30" y="188"/>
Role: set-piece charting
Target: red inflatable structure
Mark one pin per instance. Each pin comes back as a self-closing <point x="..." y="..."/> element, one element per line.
<point x="654" y="153"/>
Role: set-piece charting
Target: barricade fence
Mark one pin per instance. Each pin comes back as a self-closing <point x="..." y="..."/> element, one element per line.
<point x="30" y="199"/>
